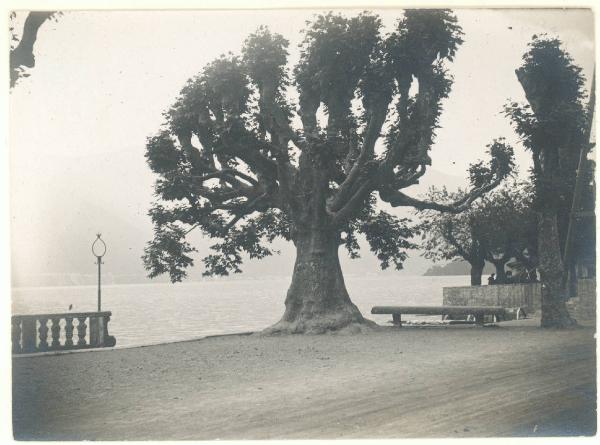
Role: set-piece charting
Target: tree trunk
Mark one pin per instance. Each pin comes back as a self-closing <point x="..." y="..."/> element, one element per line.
<point x="476" y="272"/>
<point x="554" y="309"/>
<point x="317" y="300"/>
<point x="500" y="272"/>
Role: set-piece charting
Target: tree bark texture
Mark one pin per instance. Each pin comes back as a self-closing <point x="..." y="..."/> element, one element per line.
<point x="554" y="309"/>
<point x="476" y="272"/>
<point x="317" y="300"/>
<point x="500" y="272"/>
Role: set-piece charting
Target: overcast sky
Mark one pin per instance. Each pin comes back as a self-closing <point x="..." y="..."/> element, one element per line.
<point x="102" y="79"/>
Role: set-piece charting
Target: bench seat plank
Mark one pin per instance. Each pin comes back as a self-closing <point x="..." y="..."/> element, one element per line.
<point x="439" y="310"/>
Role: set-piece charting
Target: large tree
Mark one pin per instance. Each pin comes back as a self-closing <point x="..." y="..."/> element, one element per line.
<point x="239" y="159"/>
<point x="554" y="127"/>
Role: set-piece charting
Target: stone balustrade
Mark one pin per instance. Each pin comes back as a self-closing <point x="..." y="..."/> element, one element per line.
<point x="55" y="332"/>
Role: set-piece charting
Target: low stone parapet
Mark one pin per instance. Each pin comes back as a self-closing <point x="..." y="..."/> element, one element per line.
<point x="524" y="295"/>
<point x="52" y="332"/>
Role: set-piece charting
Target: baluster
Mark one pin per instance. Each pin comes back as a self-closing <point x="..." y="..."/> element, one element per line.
<point x="16" y="335"/>
<point x="109" y="340"/>
<point x="94" y="331"/>
<point x="55" y="333"/>
<point x="81" y="331"/>
<point x="69" y="332"/>
<point x="29" y="334"/>
<point x="43" y="330"/>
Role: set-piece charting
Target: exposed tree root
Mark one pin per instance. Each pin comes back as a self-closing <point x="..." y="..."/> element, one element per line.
<point x="321" y="325"/>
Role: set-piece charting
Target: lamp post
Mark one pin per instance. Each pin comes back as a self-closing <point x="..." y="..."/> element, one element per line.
<point x="99" y="249"/>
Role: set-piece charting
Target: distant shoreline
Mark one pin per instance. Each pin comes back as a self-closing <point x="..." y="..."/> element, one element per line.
<point x="195" y="309"/>
<point x="237" y="277"/>
<point x="456" y="268"/>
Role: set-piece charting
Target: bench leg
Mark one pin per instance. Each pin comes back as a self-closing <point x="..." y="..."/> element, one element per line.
<point x="397" y="320"/>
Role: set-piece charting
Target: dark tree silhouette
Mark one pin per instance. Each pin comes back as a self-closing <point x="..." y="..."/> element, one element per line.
<point x="449" y="236"/>
<point x="507" y="225"/>
<point x="553" y="127"/>
<point x="497" y="228"/>
<point x="21" y="55"/>
<point x="239" y="160"/>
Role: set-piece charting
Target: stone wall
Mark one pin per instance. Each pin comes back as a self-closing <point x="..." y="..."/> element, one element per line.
<point x="527" y="296"/>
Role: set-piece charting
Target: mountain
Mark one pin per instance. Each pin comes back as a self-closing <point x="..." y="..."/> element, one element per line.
<point x="56" y="213"/>
<point x="456" y="268"/>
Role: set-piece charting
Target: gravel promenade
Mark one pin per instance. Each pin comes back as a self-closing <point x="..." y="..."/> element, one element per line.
<point x="514" y="379"/>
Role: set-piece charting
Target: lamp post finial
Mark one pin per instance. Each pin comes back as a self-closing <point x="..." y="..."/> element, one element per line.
<point x="99" y="249"/>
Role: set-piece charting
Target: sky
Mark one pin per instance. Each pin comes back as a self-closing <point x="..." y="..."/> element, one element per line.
<point x="102" y="79"/>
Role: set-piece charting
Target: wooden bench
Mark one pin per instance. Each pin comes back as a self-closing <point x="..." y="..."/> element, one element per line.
<point x="478" y="312"/>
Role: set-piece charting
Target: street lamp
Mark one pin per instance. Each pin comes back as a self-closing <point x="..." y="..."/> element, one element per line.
<point x="99" y="249"/>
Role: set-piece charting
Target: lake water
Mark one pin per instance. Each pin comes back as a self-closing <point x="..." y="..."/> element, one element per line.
<point x="157" y="313"/>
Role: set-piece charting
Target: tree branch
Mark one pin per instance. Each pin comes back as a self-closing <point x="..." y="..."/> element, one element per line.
<point x="244" y="210"/>
<point x="372" y="133"/>
<point x="398" y="199"/>
<point x="353" y="204"/>
<point x="226" y="173"/>
<point x="219" y="195"/>
<point x="454" y="242"/>
<point x="22" y="54"/>
<point x="255" y="160"/>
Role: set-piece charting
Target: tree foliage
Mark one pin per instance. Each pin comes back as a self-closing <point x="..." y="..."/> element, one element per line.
<point x="552" y="124"/>
<point x="446" y="236"/>
<point x="507" y="224"/>
<point x="238" y="158"/>
<point x="498" y="227"/>
<point x="21" y="49"/>
<point x="555" y="128"/>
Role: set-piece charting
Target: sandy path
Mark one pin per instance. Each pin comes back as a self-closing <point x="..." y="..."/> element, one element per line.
<point x="436" y="382"/>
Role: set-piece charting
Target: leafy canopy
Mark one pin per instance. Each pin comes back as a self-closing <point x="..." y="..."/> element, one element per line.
<point x="498" y="227"/>
<point x="245" y="162"/>
<point x="552" y="124"/>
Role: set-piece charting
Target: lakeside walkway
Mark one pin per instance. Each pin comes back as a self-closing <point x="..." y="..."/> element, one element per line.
<point x="459" y="381"/>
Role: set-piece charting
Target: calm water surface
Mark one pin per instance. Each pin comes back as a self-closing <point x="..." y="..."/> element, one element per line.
<point x="156" y="313"/>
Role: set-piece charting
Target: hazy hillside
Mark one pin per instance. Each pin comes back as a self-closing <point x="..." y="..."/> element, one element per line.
<point x="51" y="237"/>
<point x="456" y="268"/>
